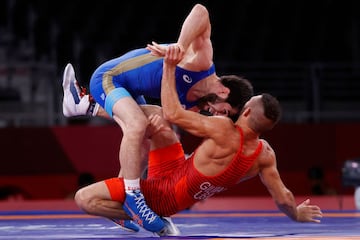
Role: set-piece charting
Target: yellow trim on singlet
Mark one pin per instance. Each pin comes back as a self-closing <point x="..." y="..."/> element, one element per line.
<point x="124" y="66"/>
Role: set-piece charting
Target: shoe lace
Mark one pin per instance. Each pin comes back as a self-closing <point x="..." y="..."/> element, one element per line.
<point x="144" y="210"/>
<point x="83" y="91"/>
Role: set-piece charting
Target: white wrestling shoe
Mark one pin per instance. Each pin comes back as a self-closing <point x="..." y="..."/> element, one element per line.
<point x="170" y="228"/>
<point x="75" y="102"/>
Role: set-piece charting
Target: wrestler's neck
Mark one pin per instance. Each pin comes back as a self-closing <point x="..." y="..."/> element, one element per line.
<point x="210" y="84"/>
<point x="248" y="132"/>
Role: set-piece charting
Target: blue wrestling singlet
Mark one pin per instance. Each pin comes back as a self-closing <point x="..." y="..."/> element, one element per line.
<point x="140" y="74"/>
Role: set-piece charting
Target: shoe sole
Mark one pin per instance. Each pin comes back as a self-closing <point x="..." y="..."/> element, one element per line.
<point x="169" y="225"/>
<point x="125" y="228"/>
<point x="68" y="84"/>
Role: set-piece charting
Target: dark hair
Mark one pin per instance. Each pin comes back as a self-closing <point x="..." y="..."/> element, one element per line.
<point x="241" y="90"/>
<point x="272" y="108"/>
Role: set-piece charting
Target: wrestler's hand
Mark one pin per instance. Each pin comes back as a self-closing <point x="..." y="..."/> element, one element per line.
<point x="308" y="213"/>
<point x="156" y="49"/>
<point x="174" y="54"/>
<point x="160" y="50"/>
<point x="157" y="124"/>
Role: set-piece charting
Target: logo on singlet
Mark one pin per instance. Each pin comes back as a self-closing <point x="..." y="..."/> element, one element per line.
<point x="207" y="190"/>
<point x="187" y="79"/>
<point x="102" y="96"/>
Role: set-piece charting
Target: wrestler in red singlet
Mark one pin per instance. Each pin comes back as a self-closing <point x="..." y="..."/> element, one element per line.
<point x="174" y="184"/>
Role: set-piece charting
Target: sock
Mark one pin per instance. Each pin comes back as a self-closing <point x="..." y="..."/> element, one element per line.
<point x="132" y="184"/>
<point x="93" y="106"/>
<point x="92" y="109"/>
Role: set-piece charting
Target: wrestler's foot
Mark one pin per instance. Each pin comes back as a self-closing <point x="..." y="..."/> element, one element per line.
<point x="126" y="225"/>
<point x="136" y="207"/>
<point x="170" y="228"/>
<point x="75" y="102"/>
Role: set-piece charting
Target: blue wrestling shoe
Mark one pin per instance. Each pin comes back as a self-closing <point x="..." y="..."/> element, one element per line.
<point x="136" y="207"/>
<point x="126" y="225"/>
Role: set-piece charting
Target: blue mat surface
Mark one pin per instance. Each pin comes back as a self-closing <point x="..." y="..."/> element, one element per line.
<point x="192" y="224"/>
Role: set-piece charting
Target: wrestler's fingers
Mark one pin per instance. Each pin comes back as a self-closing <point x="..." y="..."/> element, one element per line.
<point x="159" y="47"/>
<point x="155" y="44"/>
<point x="180" y="48"/>
<point x="315" y="220"/>
<point x="314" y="208"/>
<point x="154" y="51"/>
<point x="172" y="54"/>
<point x="155" y="122"/>
<point x="306" y="202"/>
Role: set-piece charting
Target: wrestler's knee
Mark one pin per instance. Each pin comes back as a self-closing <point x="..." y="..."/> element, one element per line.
<point x="83" y="200"/>
<point x="136" y="127"/>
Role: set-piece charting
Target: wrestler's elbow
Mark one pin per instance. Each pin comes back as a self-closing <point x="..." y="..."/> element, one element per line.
<point x="169" y="115"/>
<point x="200" y="9"/>
<point x="201" y="13"/>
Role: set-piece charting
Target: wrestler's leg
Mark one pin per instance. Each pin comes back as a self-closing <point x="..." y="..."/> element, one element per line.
<point x="133" y="122"/>
<point x="105" y="199"/>
<point x="163" y="148"/>
<point x="144" y="152"/>
<point x="96" y="199"/>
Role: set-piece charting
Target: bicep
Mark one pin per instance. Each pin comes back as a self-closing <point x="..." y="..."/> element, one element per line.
<point x="202" y="49"/>
<point x="203" y="52"/>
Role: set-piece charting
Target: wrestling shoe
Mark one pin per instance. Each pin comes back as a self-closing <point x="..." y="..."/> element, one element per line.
<point x="126" y="225"/>
<point x="75" y="102"/>
<point x="136" y="207"/>
<point x="170" y="228"/>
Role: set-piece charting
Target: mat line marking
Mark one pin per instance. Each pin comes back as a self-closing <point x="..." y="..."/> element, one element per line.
<point x="179" y="215"/>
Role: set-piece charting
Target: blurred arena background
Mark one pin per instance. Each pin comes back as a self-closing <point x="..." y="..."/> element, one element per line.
<point x="307" y="53"/>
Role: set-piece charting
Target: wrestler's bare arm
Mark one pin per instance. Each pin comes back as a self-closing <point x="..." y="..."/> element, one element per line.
<point x="202" y="126"/>
<point x="195" y="38"/>
<point x="193" y="42"/>
<point x="196" y="25"/>
<point x="282" y="196"/>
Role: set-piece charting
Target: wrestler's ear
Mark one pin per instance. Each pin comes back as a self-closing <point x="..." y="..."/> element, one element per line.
<point x="225" y="90"/>
<point x="246" y="111"/>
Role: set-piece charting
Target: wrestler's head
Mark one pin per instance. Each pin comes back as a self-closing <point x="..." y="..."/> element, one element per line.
<point x="240" y="91"/>
<point x="262" y="112"/>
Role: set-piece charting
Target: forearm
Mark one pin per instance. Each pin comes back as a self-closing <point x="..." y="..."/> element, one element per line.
<point x="169" y="97"/>
<point x="288" y="206"/>
<point x="195" y="24"/>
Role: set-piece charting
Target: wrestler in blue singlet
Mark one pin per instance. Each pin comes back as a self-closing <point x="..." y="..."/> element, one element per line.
<point x="138" y="73"/>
